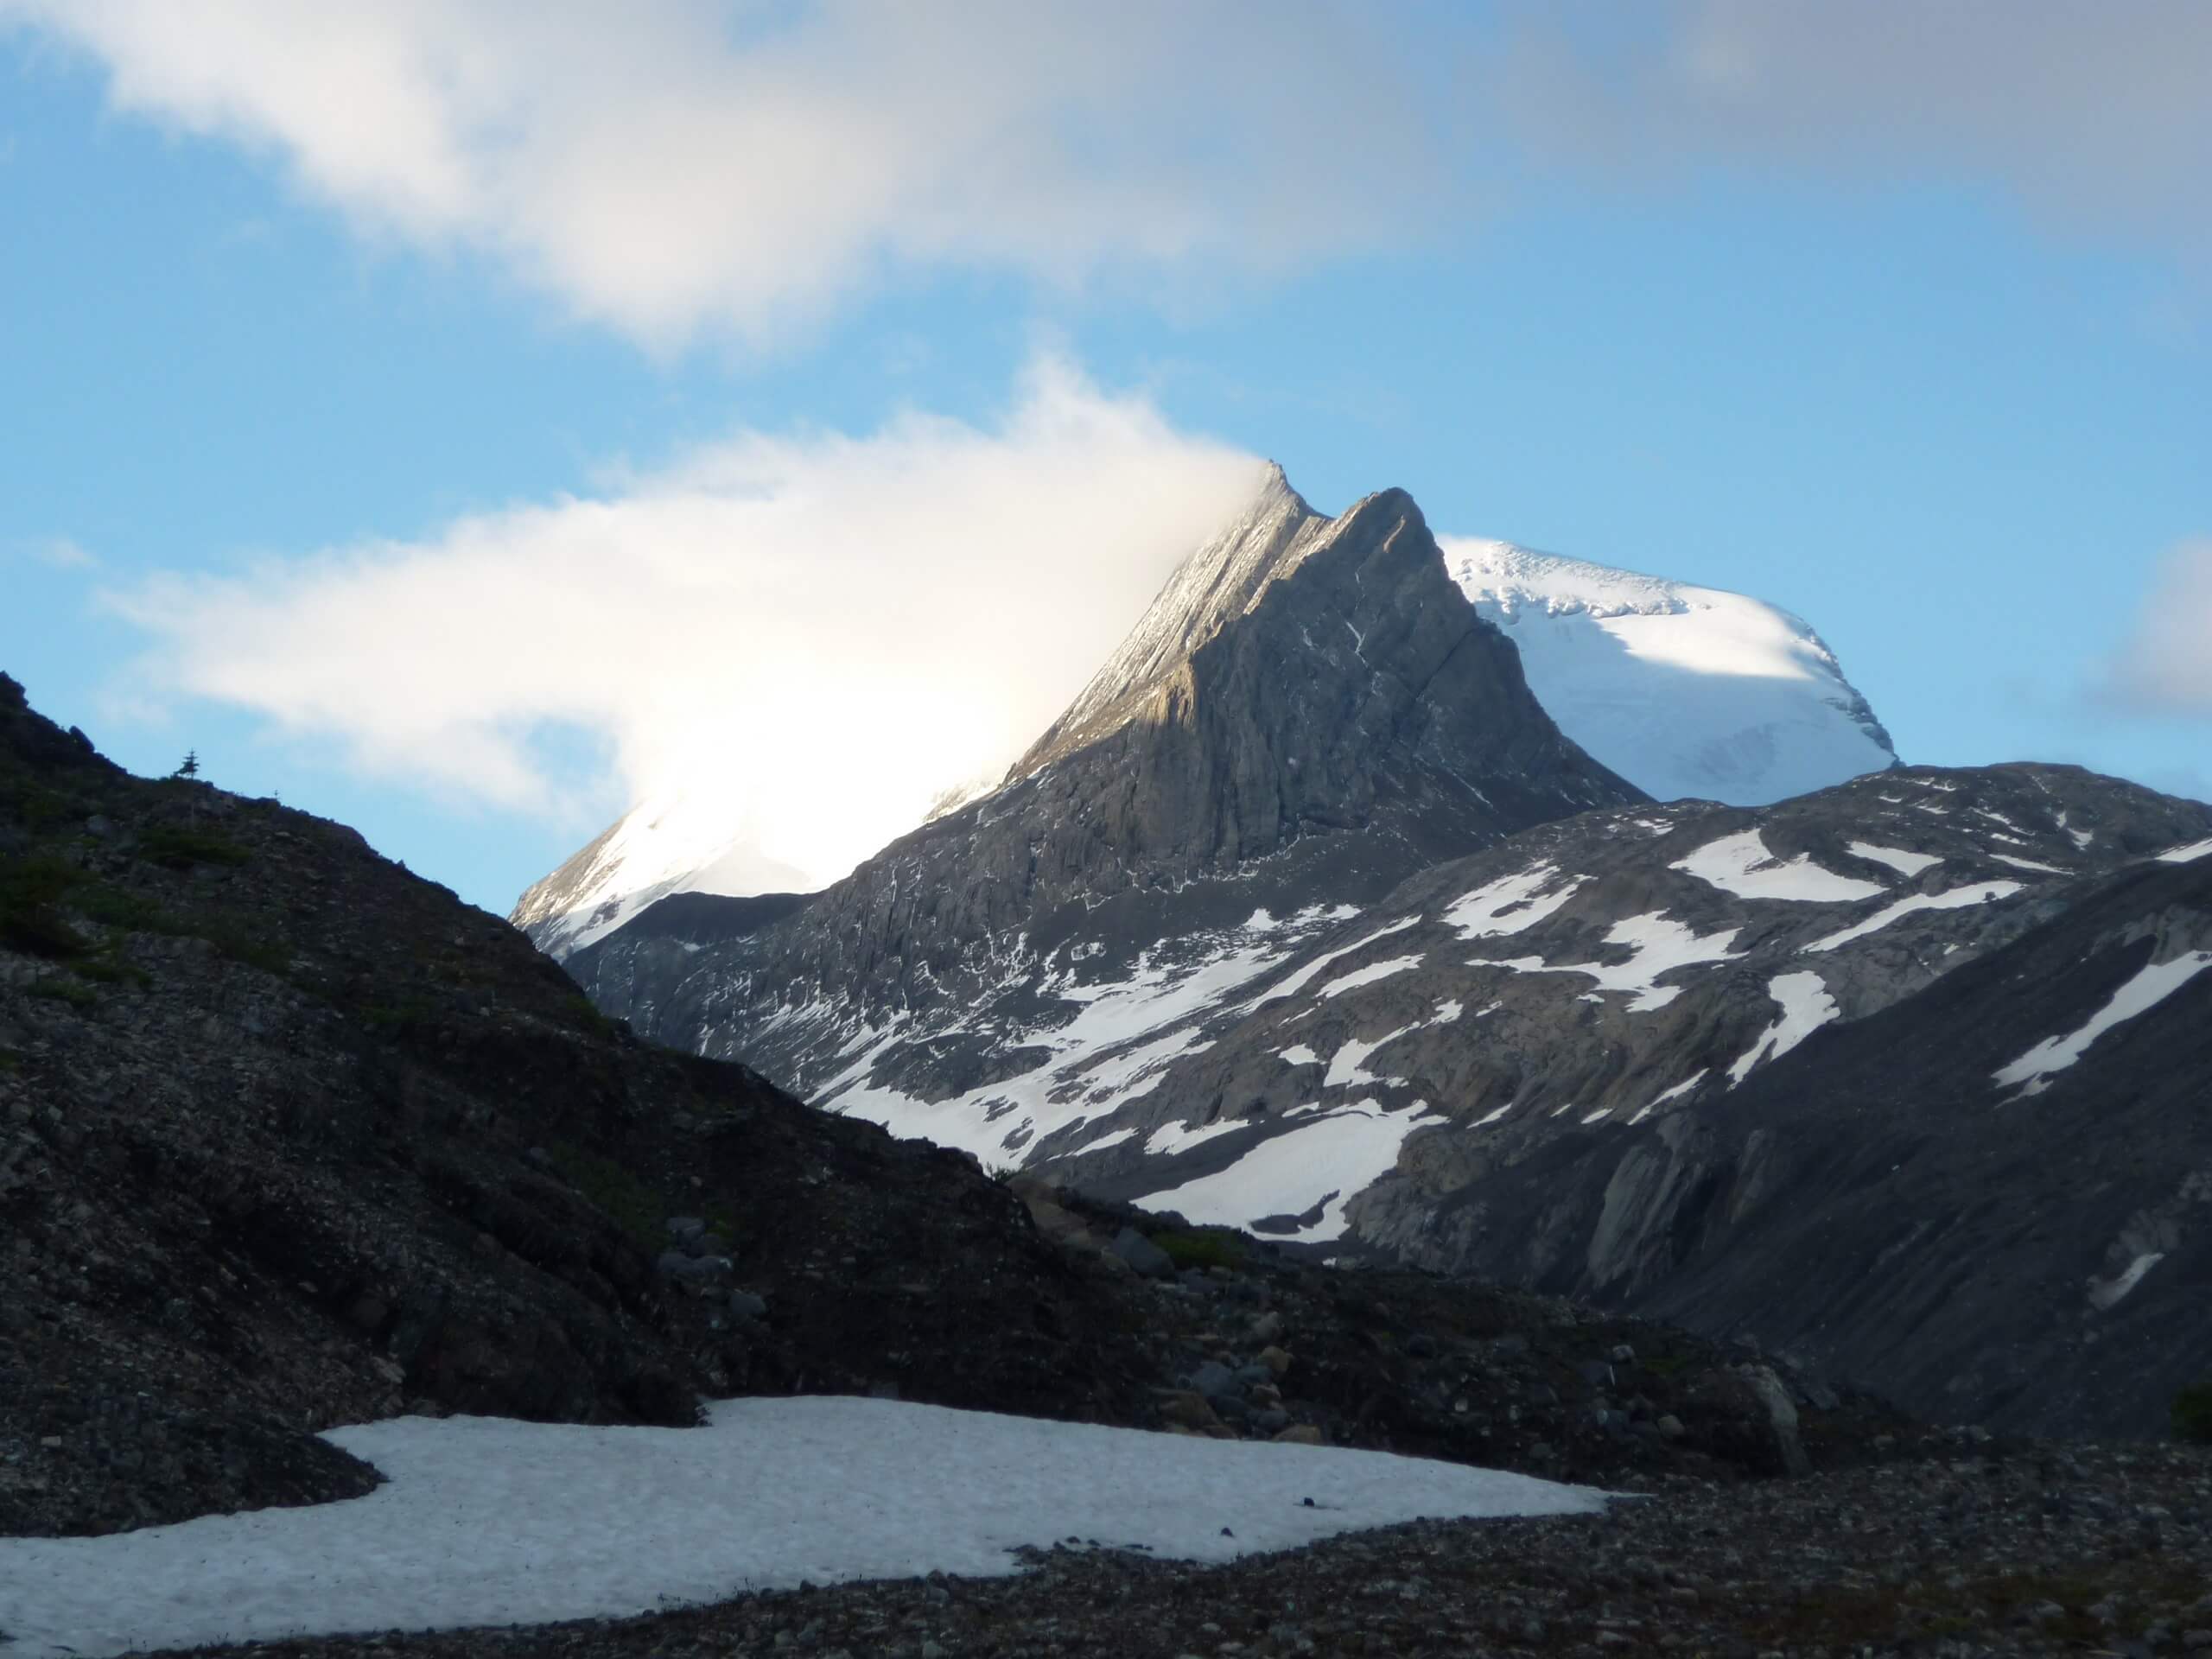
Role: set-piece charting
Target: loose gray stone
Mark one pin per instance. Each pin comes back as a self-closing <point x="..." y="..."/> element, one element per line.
<point x="1142" y="1255"/>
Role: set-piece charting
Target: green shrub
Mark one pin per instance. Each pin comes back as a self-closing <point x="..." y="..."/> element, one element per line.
<point x="180" y="849"/>
<point x="238" y="946"/>
<point x="2192" y="1414"/>
<point x="1196" y="1249"/>
<point x="114" y="908"/>
<point x="625" y="1199"/>
<point x="59" y="987"/>
<point x="31" y="889"/>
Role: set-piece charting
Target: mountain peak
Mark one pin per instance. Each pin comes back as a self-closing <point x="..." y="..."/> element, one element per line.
<point x="1688" y="692"/>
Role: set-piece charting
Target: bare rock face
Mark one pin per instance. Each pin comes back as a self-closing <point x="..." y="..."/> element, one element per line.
<point x="1309" y="713"/>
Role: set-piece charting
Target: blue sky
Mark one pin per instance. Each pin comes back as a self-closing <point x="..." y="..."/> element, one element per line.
<point x="463" y="463"/>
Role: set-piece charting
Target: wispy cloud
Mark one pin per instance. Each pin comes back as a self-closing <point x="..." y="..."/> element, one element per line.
<point x="2165" y="668"/>
<point x="689" y="165"/>
<point x="2092" y="118"/>
<point x="819" y="631"/>
<point x="59" y="553"/>
<point x="673" y="164"/>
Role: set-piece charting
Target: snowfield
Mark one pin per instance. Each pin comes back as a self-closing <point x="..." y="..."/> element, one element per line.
<point x="485" y="1521"/>
<point x="1688" y="692"/>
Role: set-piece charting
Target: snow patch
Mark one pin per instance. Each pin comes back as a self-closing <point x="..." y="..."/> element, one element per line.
<point x="1325" y="1161"/>
<point x="2106" y="1294"/>
<point x="1510" y="904"/>
<point x="2029" y="864"/>
<point x="1741" y="865"/>
<point x="2188" y="855"/>
<point x="1657" y="945"/>
<point x="1367" y="975"/>
<point x="1904" y="863"/>
<point x="1346" y="1069"/>
<point x="2144" y="989"/>
<point x="1806" y="1007"/>
<point x="1298" y="980"/>
<point x="1954" y="899"/>
<point x="1674" y="1093"/>
<point x="485" y="1522"/>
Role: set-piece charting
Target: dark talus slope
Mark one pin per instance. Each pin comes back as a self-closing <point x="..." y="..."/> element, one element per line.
<point x="290" y="1138"/>
<point x="1309" y="713"/>
<point x="1993" y="1200"/>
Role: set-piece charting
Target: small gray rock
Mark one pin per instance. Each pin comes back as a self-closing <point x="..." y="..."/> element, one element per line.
<point x="1217" y="1382"/>
<point x="691" y="1269"/>
<point x="747" y="1306"/>
<point x="1143" y="1256"/>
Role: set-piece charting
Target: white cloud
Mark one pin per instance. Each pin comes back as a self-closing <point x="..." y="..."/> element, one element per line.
<point x="672" y="163"/>
<point x="737" y="166"/>
<point x="2166" y="666"/>
<point x="60" y="553"/>
<point x="2092" y="116"/>
<point x="819" y="633"/>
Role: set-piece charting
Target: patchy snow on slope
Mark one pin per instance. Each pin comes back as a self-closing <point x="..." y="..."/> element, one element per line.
<point x="1905" y="864"/>
<point x="1686" y="691"/>
<point x="1347" y="1067"/>
<point x="487" y="1522"/>
<point x="2188" y="855"/>
<point x="1657" y="945"/>
<point x="2105" y="1294"/>
<point x="1806" y="1007"/>
<point x="1305" y="976"/>
<point x="1954" y="899"/>
<point x="1741" y="865"/>
<point x="2030" y="864"/>
<point x="1173" y="1137"/>
<point x="1325" y="1161"/>
<point x="1674" y="1093"/>
<point x="1367" y="975"/>
<point x="1123" y="1035"/>
<point x="1511" y="903"/>
<point x="2144" y="989"/>
<point x="1298" y="1054"/>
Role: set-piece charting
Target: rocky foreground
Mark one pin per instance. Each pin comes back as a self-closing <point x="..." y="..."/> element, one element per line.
<point x="1976" y="1549"/>
<point x="290" y="1138"/>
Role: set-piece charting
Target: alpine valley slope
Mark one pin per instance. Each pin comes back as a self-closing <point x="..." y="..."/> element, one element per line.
<point x="1306" y="919"/>
<point x="1562" y="1063"/>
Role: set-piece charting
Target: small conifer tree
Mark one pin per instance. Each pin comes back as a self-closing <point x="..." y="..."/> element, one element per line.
<point x="189" y="768"/>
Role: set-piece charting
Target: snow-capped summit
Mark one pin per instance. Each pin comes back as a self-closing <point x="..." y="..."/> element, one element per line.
<point x="676" y="843"/>
<point x="1687" y="692"/>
